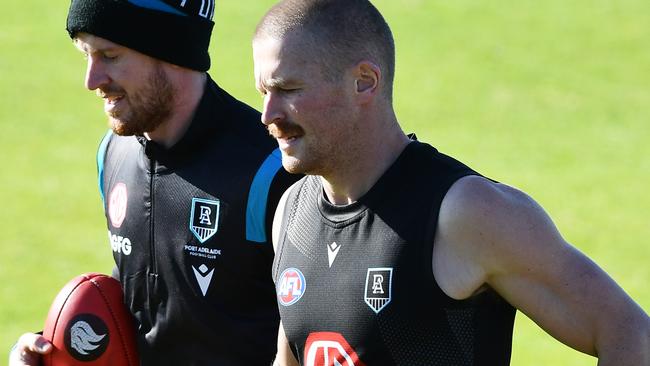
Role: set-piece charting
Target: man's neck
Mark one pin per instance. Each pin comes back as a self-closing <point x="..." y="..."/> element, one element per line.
<point x="356" y="177"/>
<point x="189" y="91"/>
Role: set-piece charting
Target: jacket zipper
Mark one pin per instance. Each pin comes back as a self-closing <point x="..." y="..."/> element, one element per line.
<point x="152" y="239"/>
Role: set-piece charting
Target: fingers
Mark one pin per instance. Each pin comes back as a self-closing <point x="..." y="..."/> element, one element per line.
<point x="36" y="343"/>
<point x="29" y="349"/>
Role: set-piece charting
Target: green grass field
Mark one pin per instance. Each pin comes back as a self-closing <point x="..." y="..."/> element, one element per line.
<point x="549" y="96"/>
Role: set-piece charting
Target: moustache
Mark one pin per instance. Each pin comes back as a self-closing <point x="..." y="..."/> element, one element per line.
<point x="285" y="129"/>
<point x="110" y="91"/>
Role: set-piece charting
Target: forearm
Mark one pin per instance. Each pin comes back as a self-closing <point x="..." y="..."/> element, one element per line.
<point x="631" y="348"/>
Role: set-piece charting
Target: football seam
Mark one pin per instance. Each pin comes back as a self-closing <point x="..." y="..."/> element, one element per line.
<point x="117" y="324"/>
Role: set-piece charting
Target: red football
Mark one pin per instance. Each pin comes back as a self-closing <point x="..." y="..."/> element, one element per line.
<point x="89" y="325"/>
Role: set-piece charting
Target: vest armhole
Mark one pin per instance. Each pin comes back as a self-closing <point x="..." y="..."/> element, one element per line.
<point x="431" y="229"/>
<point x="289" y="208"/>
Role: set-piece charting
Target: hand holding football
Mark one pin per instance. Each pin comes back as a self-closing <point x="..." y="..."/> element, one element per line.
<point x="88" y="324"/>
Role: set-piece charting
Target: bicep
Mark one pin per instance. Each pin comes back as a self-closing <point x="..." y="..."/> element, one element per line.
<point x="505" y="240"/>
<point x="549" y="280"/>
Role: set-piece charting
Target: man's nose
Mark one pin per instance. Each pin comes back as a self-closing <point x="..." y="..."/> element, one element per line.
<point x="96" y="75"/>
<point x="273" y="109"/>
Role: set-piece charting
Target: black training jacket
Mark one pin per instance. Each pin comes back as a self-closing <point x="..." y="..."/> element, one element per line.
<point x="189" y="228"/>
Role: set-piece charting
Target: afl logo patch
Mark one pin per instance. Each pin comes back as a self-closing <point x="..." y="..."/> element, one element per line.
<point x="117" y="204"/>
<point x="291" y="286"/>
<point x="86" y="337"/>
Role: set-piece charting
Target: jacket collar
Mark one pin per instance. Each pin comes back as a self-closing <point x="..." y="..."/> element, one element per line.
<point x="210" y="117"/>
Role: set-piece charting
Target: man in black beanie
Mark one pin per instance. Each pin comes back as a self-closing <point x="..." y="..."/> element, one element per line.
<point x="189" y="179"/>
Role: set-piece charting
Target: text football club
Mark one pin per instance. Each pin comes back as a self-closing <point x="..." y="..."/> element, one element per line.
<point x="204" y="218"/>
<point x="291" y="286"/>
<point x="329" y="349"/>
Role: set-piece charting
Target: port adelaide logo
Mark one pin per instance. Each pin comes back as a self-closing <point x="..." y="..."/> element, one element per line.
<point x="378" y="288"/>
<point x="291" y="286"/>
<point x="86" y="337"/>
<point x="204" y="218"/>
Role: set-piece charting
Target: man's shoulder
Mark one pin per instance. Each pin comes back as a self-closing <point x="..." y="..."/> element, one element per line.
<point x="230" y="105"/>
<point x="428" y="170"/>
<point x="478" y="226"/>
<point x="489" y="217"/>
<point x="477" y="195"/>
<point x="243" y="122"/>
<point x="426" y="154"/>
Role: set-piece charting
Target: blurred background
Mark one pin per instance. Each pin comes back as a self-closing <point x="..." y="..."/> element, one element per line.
<point x="552" y="97"/>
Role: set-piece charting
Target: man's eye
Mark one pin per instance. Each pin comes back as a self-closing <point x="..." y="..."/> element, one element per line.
<point x="109" y="57"/>
<point x="288" y="90"/>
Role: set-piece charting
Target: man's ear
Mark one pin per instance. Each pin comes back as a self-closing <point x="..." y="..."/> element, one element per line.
<point x="367" y="76"/>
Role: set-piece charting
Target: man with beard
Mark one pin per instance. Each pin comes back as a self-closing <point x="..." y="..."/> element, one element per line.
<point x="390" y="252"/>
<point x="187" y="175"/>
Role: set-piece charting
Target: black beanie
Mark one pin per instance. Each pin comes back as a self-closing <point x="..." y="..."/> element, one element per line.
<point x="175" y="31"/>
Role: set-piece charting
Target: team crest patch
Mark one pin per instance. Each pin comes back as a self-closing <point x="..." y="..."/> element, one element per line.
<point x="117" y="204"/>
<point x="204" y="218"/>
<point x="378" y="288"/>
<point x="291" y="286"/>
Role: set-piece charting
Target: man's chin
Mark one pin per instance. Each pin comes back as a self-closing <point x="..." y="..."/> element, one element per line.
<point x="294" y="165"/>
<point x="119" y="127"/>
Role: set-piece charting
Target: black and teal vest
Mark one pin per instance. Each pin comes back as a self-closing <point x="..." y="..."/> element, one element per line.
<point x="355" y="285"/>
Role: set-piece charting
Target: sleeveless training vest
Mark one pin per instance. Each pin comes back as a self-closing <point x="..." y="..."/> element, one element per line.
<point x="355" y="285"/>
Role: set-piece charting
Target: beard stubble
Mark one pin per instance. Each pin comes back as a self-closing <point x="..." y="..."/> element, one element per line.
<point x="149" y="106"/>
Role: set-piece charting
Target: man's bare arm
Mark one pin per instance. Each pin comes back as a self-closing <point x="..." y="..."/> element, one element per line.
<point x="491" y="234"/>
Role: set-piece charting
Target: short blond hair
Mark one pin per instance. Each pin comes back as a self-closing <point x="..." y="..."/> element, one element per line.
<point x="339" y="33"/>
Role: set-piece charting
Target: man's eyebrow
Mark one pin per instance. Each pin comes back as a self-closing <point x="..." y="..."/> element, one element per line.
<point x="277" y="82"/>
<point x="84" y="48"/>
